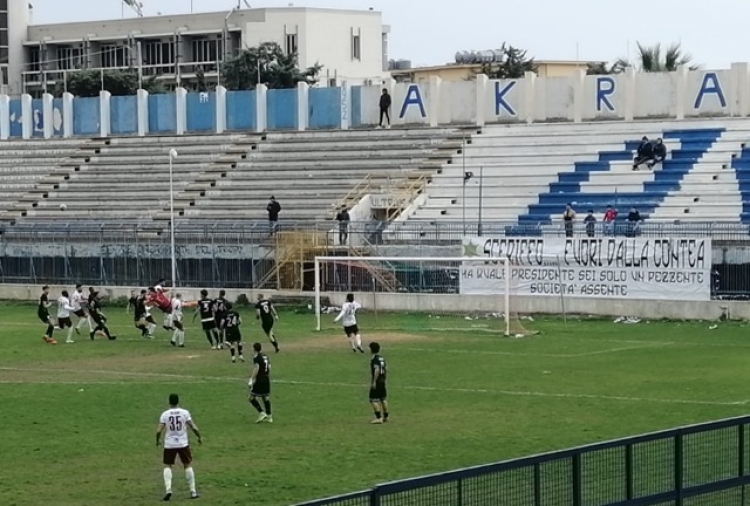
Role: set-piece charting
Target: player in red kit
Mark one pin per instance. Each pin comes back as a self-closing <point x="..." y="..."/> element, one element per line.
<point x="159" y="298"/>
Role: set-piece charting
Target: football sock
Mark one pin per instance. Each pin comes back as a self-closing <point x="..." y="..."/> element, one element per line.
<point x="208" y="336"/>
<point x="70" y="333"/>
<point x="239" y="349"/>
<point x="175" y="335"/>
<point x="50" y="330"/>
<point x="80" y="323"/>
<point x="88" y="319"/>
<point x="358" y="340"/>
<point x="190" y="476"/>
<point x="151" y="328"/>
<point x="167" y="480"/>
<point x="267" y="404"/>
<point x="377" y="415"/>
<point x="256" y="405"/>
<point x="231" y="351"/>
<point x="105" y="329"/>
<point x="385" y="415"/>
<point x="181" y="338"/>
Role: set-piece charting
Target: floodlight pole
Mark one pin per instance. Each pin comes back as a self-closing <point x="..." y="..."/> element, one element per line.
<point x="172" y="154"/>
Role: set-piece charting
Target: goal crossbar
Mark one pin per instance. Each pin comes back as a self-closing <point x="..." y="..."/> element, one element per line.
<point x="362" y="261"/>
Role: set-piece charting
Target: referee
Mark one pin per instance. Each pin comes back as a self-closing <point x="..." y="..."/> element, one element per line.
<point x="378" y="390"/>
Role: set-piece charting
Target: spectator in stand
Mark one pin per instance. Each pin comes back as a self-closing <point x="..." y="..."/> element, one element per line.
<point x="660" y="153"/>
<point x="645" y="153"/>
<point x="590" y="221"/>
<point x="569" y="217"/>
<point x="610" y="215"/>
<point x="273" y="208"/>
<point x="343" y="218"/>
<point x="385" y="109"/>
<point x="634" y="222"/>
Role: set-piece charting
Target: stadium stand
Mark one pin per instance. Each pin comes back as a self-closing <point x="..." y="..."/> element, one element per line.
<point x="531" y="172"/>
<point x="28" y="166"/>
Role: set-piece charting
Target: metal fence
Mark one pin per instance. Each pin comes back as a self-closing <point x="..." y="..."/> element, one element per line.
<point x="242" y="255"/>
<point x="698" y="465"/>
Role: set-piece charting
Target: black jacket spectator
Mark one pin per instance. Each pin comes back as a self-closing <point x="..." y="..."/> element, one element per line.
<point x="590" y="221"/>
<point x="273" y="208"/>
<point x="659" y="151"/>
<point x="343" y="218"/>
<point x="645" y="153"/>
<point x="385" y="108"/>
<point x="634" y="222"/>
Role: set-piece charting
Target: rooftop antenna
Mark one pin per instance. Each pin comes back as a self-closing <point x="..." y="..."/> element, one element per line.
<point x="135" y="5"/>
<point x="247" y="4"/>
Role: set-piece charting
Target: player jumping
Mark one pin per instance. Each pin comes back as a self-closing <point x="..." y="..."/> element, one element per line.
<point x="348" y="317"/>
<point x="267" y="314"/>
<point x="43" y="314"/>
<point x="157" y="295"/>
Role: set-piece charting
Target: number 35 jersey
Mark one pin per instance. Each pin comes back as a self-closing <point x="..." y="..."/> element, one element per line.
<point x="175" y="422"/>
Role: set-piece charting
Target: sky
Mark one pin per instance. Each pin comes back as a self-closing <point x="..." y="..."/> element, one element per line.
<point x="430" y="32"/>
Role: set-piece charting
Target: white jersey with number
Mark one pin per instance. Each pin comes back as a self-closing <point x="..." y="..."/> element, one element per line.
<point x="76" y="301"/>
<point x="63" y="307"/>
<point x="175" y="422"/>
<point x="348" y="315"/>
<point x="177" y="310"/>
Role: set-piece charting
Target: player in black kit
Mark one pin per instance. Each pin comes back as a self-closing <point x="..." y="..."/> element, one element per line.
<point x="267" y="314"/>
<point x="43" y="314"/>
<point x="260" y="384"/>
<point x="220" y="311"/>
<point x="138" y="303"/>
<point x="208" y="319"/>
<point x="95" y="311"/>
<point x="378" y="390"/>
<point x="230" y="325"/>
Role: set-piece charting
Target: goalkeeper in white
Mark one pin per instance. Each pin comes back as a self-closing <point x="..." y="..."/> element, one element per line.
<point x="348" y="317"/>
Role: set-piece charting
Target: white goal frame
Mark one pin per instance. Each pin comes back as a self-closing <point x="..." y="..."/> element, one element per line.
<point x="504" y="261"/>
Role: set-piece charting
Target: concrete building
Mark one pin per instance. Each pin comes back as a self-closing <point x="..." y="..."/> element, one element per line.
<point x="351" y="45"/>
<point x="466" y="71"/>
<point x="14" y="17"/>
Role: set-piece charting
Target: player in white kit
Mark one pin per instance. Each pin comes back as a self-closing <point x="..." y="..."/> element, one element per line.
<point x="64" y="308"/>
<point x="173" y="424"/>
<point x="78" y="300"/>
<point x="178" y="337"/>
<point x="348" y="317"/>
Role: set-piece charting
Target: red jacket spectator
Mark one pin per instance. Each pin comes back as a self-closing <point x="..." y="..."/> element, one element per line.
<point x="610" y="214"/>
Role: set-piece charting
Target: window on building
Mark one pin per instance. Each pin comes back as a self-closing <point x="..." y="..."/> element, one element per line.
<point x="3" y="37"/>
<point x="114" y="56"/>
<point x="69" y="58"/>
<point x="4" y="5"/>
<point x="34" y="59"/>
<point x="4" y="77"/>
<point x="158" y="53"/>
<point x="356" y="47"/>
<point x="207" y="50"/>
<point x="290" y="45"/>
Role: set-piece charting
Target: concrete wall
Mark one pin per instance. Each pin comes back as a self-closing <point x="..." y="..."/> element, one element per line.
<point x="18" y="19"/>
<point x="623" y="97"/>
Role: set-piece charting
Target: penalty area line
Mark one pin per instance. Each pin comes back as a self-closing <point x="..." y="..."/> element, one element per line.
<point x="513" y="393"/>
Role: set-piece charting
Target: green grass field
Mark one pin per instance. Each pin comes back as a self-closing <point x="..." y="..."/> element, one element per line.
<point x="78" y="420"/>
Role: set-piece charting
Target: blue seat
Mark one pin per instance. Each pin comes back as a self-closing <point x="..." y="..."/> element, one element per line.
<point x="567" y="189"/>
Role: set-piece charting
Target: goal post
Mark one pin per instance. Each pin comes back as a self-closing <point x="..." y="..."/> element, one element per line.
<point x="413" y="293"/>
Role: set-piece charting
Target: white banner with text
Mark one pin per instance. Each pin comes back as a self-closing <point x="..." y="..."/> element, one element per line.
<point x="617" y="268"/>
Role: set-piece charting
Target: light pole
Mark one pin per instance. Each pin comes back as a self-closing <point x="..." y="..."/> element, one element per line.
<point x="172" y="156"/>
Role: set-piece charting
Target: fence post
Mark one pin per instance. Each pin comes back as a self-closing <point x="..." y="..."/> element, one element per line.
<point x="375" y="497"/>
<point x="459" y="492"/>
<point x="537" y="485"/>
<point x="678" y="471"/>
<point x="629" y="488"/>
<point x="741" y="454"/>
<point x="577" y="480"/>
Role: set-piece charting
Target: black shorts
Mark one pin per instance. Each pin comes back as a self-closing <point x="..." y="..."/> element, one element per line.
<point x="170" y="456"/>
<point x="351" y="330"/>
<point x="266" y="325"/>
<point x="80" y="313"/>
<point x="379" y="393"/>
<point x="209" y="325"/>
<point x="261" y="387"/>
<point x="64" y="322"/>
<point x="99" y="320"/>
<point x="44" y="317"/>
<point x="218" y="319"/>
<point x="234" y="336"/>
<point x="149" y="319"/>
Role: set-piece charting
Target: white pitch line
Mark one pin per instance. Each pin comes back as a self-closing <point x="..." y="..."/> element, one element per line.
<point x="549" y="355"/>
<point x="514" y="393"/>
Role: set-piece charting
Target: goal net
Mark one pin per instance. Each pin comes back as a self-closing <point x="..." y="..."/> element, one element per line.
<point x="412" y="294"/>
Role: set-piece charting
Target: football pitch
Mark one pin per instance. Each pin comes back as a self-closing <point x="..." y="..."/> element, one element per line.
<point x="78" y="421"/>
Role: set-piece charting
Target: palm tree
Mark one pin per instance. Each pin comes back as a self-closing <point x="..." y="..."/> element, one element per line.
<point x="650" y="59"/>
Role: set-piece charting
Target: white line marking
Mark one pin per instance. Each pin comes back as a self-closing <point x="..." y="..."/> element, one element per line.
<point x="515" y="393"/>
<point x="552" y="355"/>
